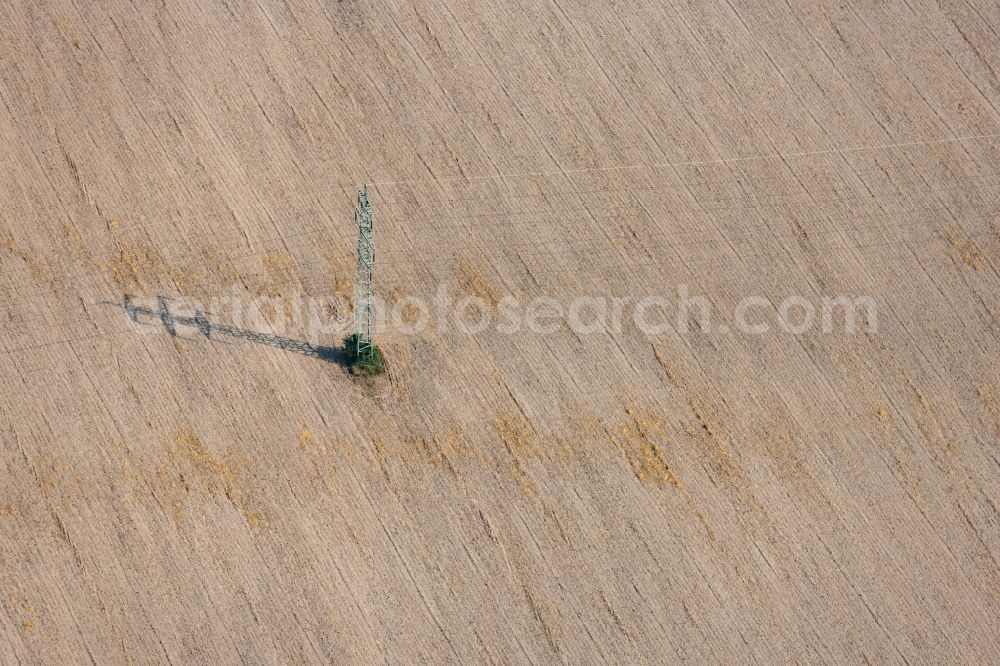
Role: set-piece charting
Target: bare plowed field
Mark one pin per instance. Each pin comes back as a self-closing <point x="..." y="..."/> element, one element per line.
<point x="188" y="474"/>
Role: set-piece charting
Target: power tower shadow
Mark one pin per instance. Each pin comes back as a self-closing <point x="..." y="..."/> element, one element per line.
<point x="209" y="329"/>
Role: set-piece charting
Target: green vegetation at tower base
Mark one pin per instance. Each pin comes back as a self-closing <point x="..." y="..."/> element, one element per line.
<point x="363" y="367"/>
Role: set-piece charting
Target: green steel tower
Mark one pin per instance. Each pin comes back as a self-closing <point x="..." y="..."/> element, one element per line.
<point x="363" y="282"/>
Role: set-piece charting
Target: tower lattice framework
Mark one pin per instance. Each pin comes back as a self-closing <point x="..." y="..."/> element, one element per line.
<point x="363" y="327"/>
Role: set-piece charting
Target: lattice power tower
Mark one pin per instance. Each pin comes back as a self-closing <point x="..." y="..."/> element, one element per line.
<point x="363" y="282"/>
